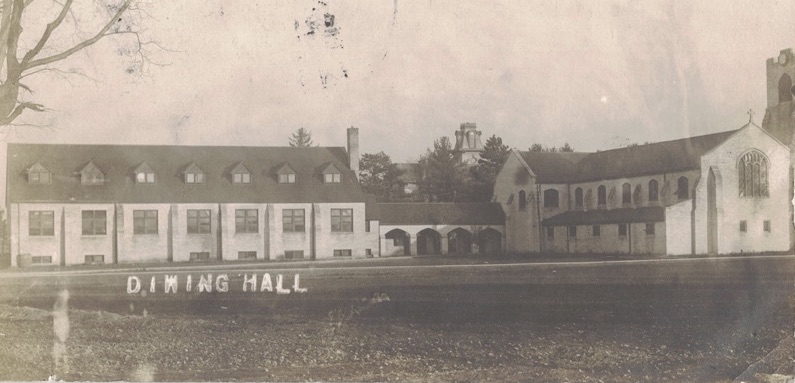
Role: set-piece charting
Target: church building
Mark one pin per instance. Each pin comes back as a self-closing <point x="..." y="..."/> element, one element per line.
<point x="721" y="193"/>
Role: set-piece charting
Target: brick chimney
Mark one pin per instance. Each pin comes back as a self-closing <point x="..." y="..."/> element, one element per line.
<point x="353" y="150"/>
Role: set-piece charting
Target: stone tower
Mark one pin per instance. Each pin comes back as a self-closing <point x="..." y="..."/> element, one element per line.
<point x="468" y="145"/>
<point x="779" y="113"/>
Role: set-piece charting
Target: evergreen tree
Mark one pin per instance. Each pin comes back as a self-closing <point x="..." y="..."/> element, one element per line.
<point x="445" y="178"/>
<point x="380" y="177"/>
<point x="301" y="138"/>
<point x="485" y="172"/>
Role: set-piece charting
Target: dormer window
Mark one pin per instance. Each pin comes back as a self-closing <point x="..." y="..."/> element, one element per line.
<point x="194" y="174"/>
<point x="331" y="175"/>
<point x="144" y="174"/>
<point x="38" y="174"/>
<point x="91" y="175"/>
<point x="286" y="174"/>
<point x="241" y="174"/>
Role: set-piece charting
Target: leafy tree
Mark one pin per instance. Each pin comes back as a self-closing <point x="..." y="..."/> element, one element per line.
<point x="445" y="178"/>
<point x="541" y="148"/>
<point x="380" y="177"/>
<point x="301" y="138"/>
<point x="23" y="56"/>
<point x="485" y="172"/>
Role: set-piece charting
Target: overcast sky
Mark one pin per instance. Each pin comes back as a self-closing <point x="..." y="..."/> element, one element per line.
<point x="594" y="74"/>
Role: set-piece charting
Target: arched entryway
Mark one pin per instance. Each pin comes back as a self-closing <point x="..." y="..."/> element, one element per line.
<point x="490" y="241"/>
<point x="459" y="241"/>
<point x="429" y="242"/>
<point x="398" y="242"/>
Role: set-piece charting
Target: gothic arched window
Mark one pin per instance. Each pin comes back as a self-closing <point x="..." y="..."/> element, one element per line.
<point x="683" y="188"/>
<point x="551" y="198"/>
<point x="626" y="193"/>
<point x="601" y="195"/>
<point x="654" y="192"/>
<point x="784" y="88"/>
<point x="578" y="197"/>
<point x="752" y="174"/>
<point x="522" y="200"/>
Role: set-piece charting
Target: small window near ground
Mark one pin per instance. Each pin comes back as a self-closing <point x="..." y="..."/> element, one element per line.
<point x="596" y="230"/>
<point x="95" y="259"/>
<point x="573" y="231"/>
<point x="294" y="254"/>
<point x="743" y="226"/>
<point x="550" y="232"/>
<point x="368" y="252"/>
<point x="41" y="259"/>
<point x="200" y="256"/>
<point x="766" y="226"/>
<point x="246" y="255"/>
<point x="650" y="229"/>
<point x="622" y="229"/>
<point x="342" y="253"/>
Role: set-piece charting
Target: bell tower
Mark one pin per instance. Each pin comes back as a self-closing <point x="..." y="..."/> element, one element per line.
<point x="468" y="145"/>
<point x="780" y="106"/>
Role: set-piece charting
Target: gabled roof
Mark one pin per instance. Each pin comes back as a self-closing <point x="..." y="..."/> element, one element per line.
<point x="285" y="169"/>
<point x="438" y="214"/>
<point x="143" y="168"/>
<point x="330" y="169"/>
<point x="117" y="161"/>
<point x="239" y="168"/>
<point x="90" y="167"/>
<point x="192" y="168"/>
<point x="661" y="157"/>
<point x="599" y="217"/>
<point x="36" y="167"/>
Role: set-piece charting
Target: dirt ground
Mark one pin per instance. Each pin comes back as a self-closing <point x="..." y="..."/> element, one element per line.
<point x="361" y="342"/>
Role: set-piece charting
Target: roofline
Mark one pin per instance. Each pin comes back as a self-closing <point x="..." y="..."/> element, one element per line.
<point x="177" y="146"/>
<point x="524" y="163"/>
<point x="748" y="125"/>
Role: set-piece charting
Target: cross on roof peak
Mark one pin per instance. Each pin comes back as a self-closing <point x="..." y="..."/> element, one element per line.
<point x="750" y="116"/>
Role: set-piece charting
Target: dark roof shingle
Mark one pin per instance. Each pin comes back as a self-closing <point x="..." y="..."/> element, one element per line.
<point x="438" y="214"/>
<point x="598" y="217"/>
<point x="118" y="162"/>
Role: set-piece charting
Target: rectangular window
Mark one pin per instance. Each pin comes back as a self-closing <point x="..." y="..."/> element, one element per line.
<point x="367" y="226"/>
<point x="95" y="259"/>
<point x="596" y="230"/>
<point x="550" y="232"/>
<point x="342" y="253"/>
<point x="41" y="259"/>
<point x="41" y="223"/>
<point x="342" y="220"/>
<point x="39" y="177"/>
<point x="241" y="178"/>
<point x="743" y="226"/>
<point x="622" y="229"/>
<point x="200" y="256"/>
<point x="198" y="221"/>
<point x="194" y="178"/>
<point x="94" y="222"/>
<point x="293" y="220"/>
<point x="766" y="226"/>
<point x="332" y="178"/>
<point x="573" y="231"/>
<point x="287" y="178"/>
<point x="246" y="221"/>
<point x="145" y="222"/>
<point x="294" y="254"/>
<point x="650" y="228"/>
<point x="150" y="178"/>
<point x="246" y="255"/>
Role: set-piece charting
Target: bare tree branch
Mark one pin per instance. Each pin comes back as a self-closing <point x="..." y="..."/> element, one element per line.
<point x="86" y="43"/>
<point x="47" y="33"/>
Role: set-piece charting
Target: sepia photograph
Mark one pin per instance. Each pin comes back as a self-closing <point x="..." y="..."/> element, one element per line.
<point x="408" y="191"/>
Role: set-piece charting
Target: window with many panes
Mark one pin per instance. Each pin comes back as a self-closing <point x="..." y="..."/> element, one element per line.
<point x="342" y="253"/>
<point x="198" y="221"/>
<point x="752" y="174"/>
<point x="246" y="221"/>
<point x="293" y="220"/>
<point x="145" y="222"/>
<point x="41" y="223"/>
<point x="95" y="222"/>
<point x="342" y="220"/>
